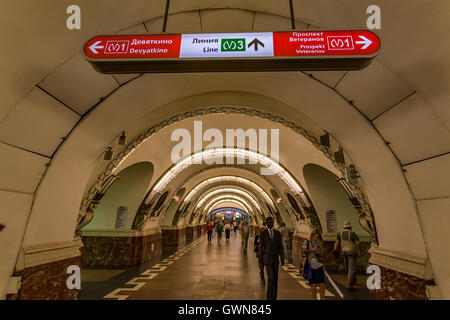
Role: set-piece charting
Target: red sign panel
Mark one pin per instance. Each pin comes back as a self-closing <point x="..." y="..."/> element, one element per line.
<point x="134" y="46"/>
<point x="325" y="43"/>
<point x="251" y="51"/>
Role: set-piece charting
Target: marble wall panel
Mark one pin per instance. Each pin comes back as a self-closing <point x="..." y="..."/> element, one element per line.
<point x="399" y="286"/>
<point x="173" y="238"/>
<point x="120" y="251"/>
<point x="191" y="233"/>
<point x="48" y="281"/>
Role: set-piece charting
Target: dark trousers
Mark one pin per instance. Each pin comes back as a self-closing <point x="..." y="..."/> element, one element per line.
<point x="209" y="235"/>
<point x="272" y="280"/>
<point x="227" y="233"/>
<point x="261" y="270"/>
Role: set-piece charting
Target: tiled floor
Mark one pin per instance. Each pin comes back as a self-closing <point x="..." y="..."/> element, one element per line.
<point x="201" y="270"/>
<point x="99" y="274"/>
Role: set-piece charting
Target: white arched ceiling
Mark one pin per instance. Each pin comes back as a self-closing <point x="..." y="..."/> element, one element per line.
<point x="231" y="186"/>
<point x="370" y="155"/>
<point x="212" y="203"/>
<point x="230" y="202"/>
<point x="239" y="192"/>
<point x="158" y="147"/>
<point x="222" y="176"/>
<point x="402" y="98"/>
<point x="221" y="188"/>
<point x="195" y="191"/>
<point x="202" y="157"/>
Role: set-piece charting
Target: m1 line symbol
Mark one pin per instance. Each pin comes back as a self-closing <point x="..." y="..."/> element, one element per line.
<point x="95" y="46"/>
<point x="366" y="42"/>
<point x="255" y="42"/>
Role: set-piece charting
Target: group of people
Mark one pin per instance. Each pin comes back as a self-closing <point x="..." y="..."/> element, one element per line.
<point x="226" y="227"/>
<point x="273" y="246"/>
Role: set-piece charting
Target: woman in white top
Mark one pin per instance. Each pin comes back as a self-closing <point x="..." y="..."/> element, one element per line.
<point x="314" y="250"/>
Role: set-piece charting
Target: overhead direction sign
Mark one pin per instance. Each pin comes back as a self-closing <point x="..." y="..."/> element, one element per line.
<point x="252" y="51"/>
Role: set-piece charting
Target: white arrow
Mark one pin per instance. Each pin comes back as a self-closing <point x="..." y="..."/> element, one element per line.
<point x="94" y="46"/>
<point x="366" y="42"/>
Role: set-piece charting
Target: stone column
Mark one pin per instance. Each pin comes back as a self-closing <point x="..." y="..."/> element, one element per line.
<point x="173" y="236"/>
<point x="120" y="248"/>
<point x="191" y="233"/>
<point x="43" y="271"/>
<point x="403" y="276"/>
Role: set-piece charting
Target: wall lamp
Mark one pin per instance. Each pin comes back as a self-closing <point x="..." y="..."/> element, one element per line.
<point x="325" y="140"/>
<point x="108" y="153"/>
<point x="339" y="156"/>
<point x="123" y="139"/>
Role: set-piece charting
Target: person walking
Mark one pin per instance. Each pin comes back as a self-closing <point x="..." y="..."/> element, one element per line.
<point x="209" y="229"/>
<point x="286" y="238"/>
<point x="227" y="230"/>
<point x="235" y="225"/>
<point x="256" y="250"/>
<point x="348" y="243"/>
<point x="314" y="251"/>
<point x="270" y="250"/>
<point x="219" y="229"/>
<point x="245" y="233"/>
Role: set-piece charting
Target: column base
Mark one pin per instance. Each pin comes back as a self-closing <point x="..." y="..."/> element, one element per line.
<point x="173" y="238"/>
<point x="396" y="285"/>
<point x="43" y="271"/>
<point x="118" y="251"/>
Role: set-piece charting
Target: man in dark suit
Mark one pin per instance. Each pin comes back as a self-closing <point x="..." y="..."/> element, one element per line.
<point x="270" y="248"/>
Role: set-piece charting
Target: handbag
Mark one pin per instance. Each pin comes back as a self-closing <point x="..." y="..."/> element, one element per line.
<point x="305" y="266"/>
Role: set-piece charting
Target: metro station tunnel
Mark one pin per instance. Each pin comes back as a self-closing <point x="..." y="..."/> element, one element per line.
<point x="113" y="169"/>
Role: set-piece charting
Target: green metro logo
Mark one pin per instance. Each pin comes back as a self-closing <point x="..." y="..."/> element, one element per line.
<point x="232" y="45"/>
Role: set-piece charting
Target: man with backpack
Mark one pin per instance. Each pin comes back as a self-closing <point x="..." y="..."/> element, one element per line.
<point x="348" y="243"/>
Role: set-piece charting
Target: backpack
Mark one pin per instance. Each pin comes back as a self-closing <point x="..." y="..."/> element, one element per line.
<point x="347" y="245"/>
